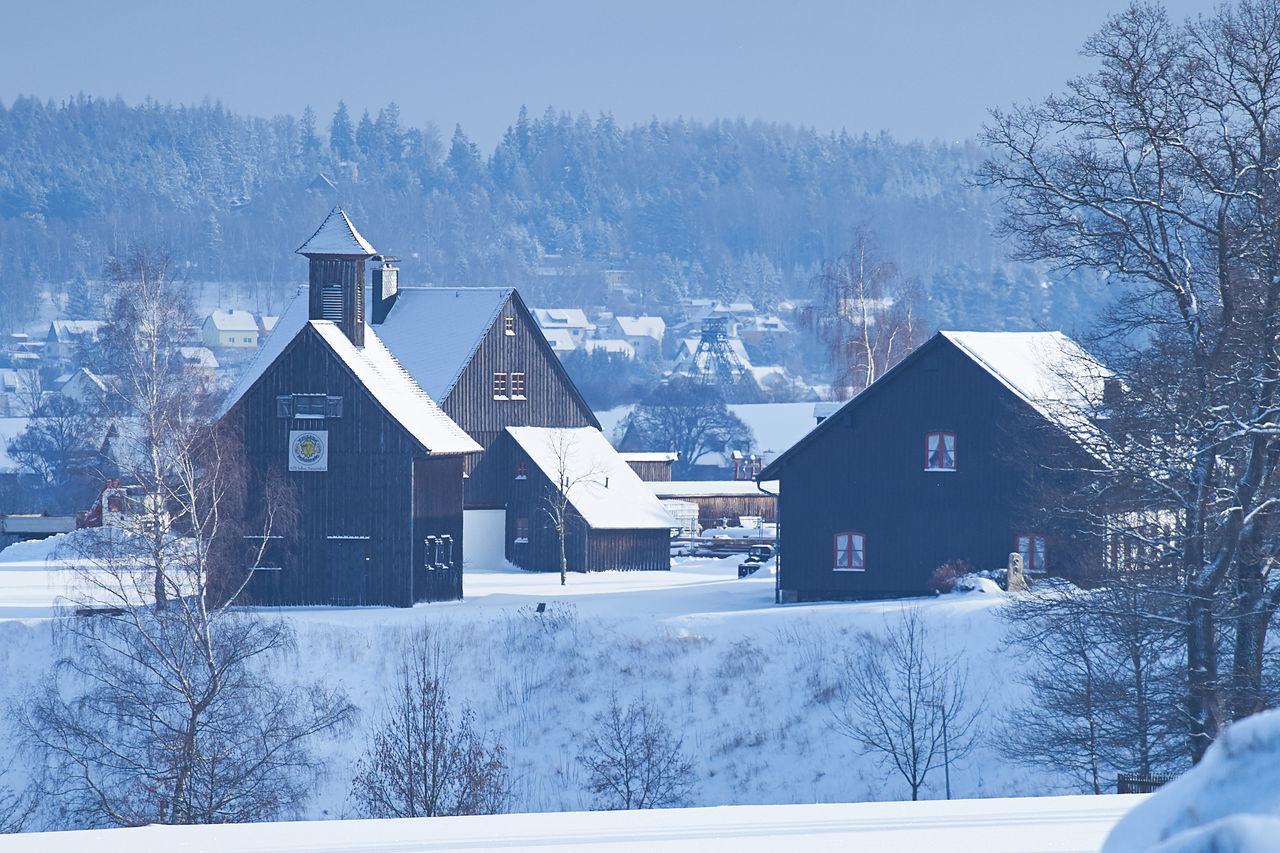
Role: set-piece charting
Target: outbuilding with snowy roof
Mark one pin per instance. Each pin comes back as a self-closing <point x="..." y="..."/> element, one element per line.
<point x="957" y="454"/>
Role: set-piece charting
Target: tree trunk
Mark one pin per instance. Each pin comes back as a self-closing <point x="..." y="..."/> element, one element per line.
<point x="1203" y="693"/>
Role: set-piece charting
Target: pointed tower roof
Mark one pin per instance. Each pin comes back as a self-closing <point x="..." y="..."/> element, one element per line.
<point x="337" y="236"/>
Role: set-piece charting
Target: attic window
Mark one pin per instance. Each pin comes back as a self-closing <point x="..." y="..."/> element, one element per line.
<point x="500" y="388"/>
<point x="517" y="386"/>
<point x="509" y="325"/>
<point x="522" y="470"/>
<point x="940" y="451"/>
<point x="850" y="552"/>
<point x="308" y="406"/>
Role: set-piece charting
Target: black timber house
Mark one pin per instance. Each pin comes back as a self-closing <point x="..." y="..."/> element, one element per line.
<point x="374" y="466"/>
<point x="480" y="353"/>
<point x="937" y="461"/>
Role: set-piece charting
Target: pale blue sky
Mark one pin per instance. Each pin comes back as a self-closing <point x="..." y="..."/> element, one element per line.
<point x="916" y="68"/>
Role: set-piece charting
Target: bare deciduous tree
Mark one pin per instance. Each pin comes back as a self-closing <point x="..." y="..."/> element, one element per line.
<point x="1101" y="669"/>
<point x="165" y="706"/>
<point x="905" y="701"/>
<point x="423" y="758"/>
<point x="688" y="417"/>
<point x="574" y="472"/>
<point x="1159" y="169"/>
<point x="634" y="761"/>
<point x="865" y="317"/>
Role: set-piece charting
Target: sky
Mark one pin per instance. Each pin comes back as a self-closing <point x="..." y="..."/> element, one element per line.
<point x="926" y="69"/>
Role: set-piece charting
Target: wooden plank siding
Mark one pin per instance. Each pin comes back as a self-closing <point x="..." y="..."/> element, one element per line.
<point x="865" y="473"/>
<point x="360" y="524"/>
<point x="586" y="549"/>
<point x="550" y="398"/>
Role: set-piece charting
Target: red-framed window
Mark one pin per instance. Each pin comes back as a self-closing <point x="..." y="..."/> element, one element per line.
<point x="522" y="469"/>
<point x="522" y="530"/>
<point x="940" y="451"/>
<point x="1031" y="549"/>
<point x="850" y="552"/>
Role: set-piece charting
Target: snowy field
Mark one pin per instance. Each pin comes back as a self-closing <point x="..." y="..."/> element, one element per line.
<point x="1051" y="825"/>
<point x="747" y="683"/>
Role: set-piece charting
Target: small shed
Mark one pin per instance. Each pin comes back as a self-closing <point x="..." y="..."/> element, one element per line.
<point x="613" y="519"/>
<point x="651" y="466"/>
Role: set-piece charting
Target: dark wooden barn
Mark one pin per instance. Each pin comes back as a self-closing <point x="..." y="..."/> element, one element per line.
<point x="479" y="352"/>
<point x="612" y="519"/>
<point x="373" y="464"/>
<point x="937" y="461"/>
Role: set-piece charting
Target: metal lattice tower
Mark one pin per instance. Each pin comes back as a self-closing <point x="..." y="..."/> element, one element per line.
<point x="714" y="361"/>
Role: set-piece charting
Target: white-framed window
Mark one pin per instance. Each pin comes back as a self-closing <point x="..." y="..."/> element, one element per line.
<point x="509" y="325"/>
<point x="940" y="451"/>
<point x="850" y="552"/>
<point x="517" y="386"/>
<point x="1031" y="549"/>
<point x="501" y="390"/>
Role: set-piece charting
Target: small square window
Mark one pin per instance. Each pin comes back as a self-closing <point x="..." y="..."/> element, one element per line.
<point x="309" y="405"/>
<point x="522" y="530"/>
<point x="940" y="451"/>
<point x="500" y="388"/>
<point x="1032" y="551"/>
<point x="850" y="552"/>
<point x="517" y="386"/>
<point x="522" y="470"/>
<point x="509" y="325"/>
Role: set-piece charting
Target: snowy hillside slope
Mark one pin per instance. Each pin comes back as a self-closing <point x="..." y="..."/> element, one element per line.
<point x="747" y="683"/>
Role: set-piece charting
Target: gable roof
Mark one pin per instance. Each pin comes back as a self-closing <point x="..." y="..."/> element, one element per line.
<point x="374" y="367"/>
<point x="607" y="493"/>
<point x="435" y="331"/>
<point x="337" y="236"/>
<point x="65" y="330"/>
<point x="648" y="327"/>
<point x="1048" y="371"/>
<point x="235" y="320"/>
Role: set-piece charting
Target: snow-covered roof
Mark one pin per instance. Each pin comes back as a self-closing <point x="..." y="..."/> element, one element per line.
<point x="434" y="331"/>
<point x="614" y="347"/>
<point x="561" y="340"/>
<point x="233" y="320"/>
<point x="588" y="460"/>
<point x="392" y="386"/>
<point x="291" y="322"/>
<point x="768" y="376"/>
<point x="647" y="327"/>
<point x="710" y="488"/>
<point x="375" y="367"/>
<point x="1048" y="370"/>
<point x="267" y="322"/>
<point x="202" y="356"/>
<point x="63" y="330"/>
<point x="337" y="236"/>
<point x="561" y="318"/>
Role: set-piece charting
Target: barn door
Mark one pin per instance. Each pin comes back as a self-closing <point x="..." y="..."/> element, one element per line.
<point x="349" y="562"/>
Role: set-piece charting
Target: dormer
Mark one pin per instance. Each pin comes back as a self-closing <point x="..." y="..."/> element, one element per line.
<point x="337" y="254"/>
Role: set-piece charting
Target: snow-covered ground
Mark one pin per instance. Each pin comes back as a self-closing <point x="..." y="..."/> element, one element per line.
<point x="747" y="683"/>
<point x="1046" y="825"/>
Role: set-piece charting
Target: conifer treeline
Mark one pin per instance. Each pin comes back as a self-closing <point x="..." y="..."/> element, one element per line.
<point x="692" y="208"/>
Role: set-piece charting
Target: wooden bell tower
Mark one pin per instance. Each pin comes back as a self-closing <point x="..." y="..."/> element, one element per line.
<point x="337" y="254"/>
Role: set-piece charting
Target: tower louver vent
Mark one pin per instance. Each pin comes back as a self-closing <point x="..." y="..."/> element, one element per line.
<point x="331" y="303"/>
